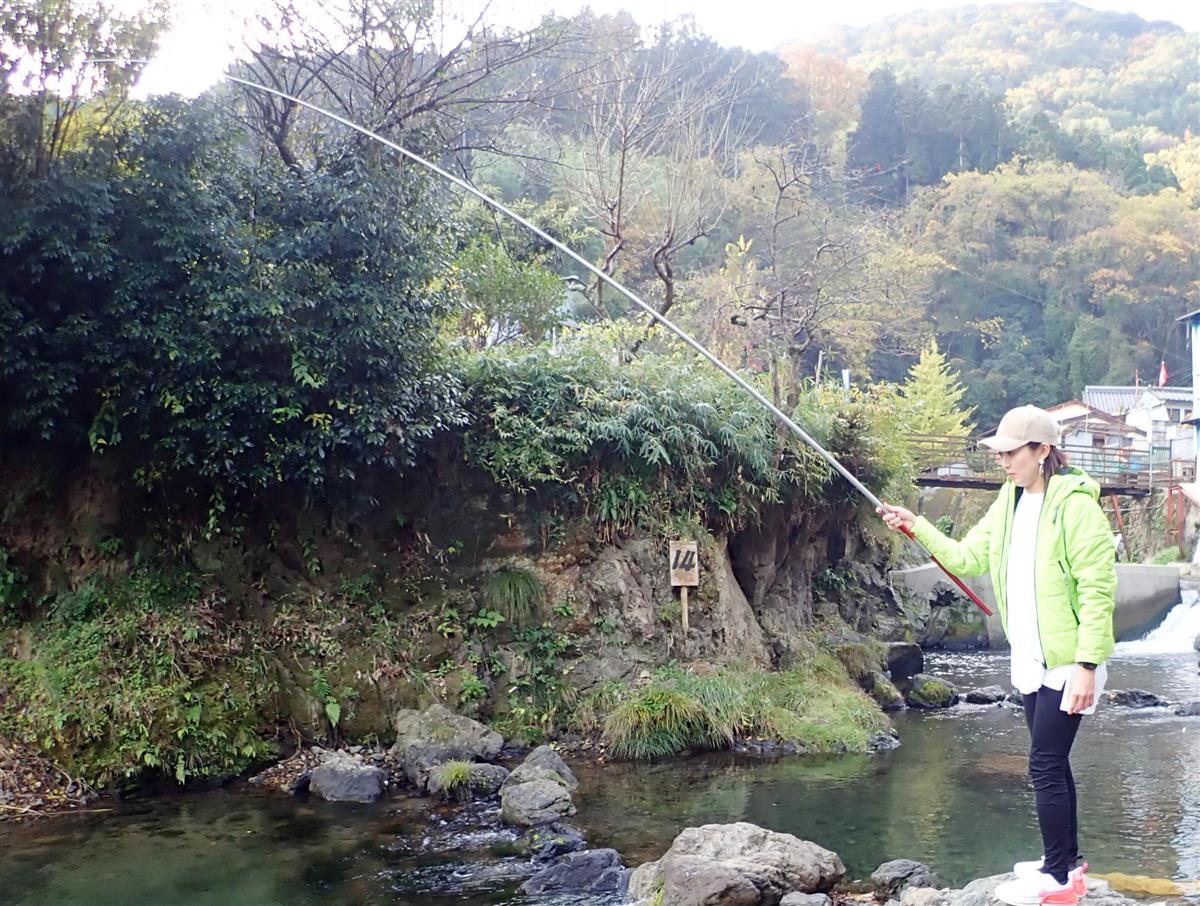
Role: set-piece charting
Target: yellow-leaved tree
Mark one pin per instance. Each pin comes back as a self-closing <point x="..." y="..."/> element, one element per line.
<point x="931" y="401"/>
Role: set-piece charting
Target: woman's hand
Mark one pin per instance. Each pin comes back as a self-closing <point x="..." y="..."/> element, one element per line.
<point x="1083" y="690"/>
<point x="897" y="518"/>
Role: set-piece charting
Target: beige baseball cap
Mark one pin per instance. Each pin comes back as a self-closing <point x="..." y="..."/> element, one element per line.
<point x="1021" y="426"/>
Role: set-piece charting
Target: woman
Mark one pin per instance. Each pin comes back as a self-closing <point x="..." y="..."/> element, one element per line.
<point x="1049" y="550"/>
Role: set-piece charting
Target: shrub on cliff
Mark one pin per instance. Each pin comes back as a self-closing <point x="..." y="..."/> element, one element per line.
<point x="139" y="673"/>
<point x="636" y="443"/>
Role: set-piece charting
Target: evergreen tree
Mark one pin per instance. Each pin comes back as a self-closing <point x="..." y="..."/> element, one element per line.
<point x="932" y="397"/>
<point x="878" y="146"/>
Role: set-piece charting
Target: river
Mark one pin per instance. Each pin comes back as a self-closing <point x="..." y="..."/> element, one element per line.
<point x="953" y="795"/>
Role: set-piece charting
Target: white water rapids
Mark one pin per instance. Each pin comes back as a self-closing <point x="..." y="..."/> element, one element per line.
<point x="1176" y="634"/>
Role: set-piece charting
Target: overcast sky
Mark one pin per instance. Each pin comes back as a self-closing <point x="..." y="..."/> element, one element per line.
<point x="197" y="48"/>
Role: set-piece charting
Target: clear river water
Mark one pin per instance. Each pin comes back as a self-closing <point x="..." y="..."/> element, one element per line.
<point x="953" y="795"/>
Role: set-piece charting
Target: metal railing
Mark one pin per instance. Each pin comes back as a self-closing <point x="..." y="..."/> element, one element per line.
<point x="956" y="460"/>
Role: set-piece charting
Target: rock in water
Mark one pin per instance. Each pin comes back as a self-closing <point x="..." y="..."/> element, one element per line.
<point x="883" y="742"/>
<point x="591" y="871"/>
<point x="988" y="695"/>
<point x="806" y="899"/>
<point x="344" y="779"/>
<point x="549" y="841"/>
<point x="890" y="878"/>
<point x="434" y="736"/>
<point x="905" y="659"/>
<point x="929" y="692"/>
<point x="736" y="865"/>
<point x="1134" y="698"/>
<point x="543" y="763"/>
<point x="1188" y="709"/>
<point x="533" y="803"/>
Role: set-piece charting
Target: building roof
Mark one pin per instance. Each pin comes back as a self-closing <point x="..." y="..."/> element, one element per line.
<point x="1072" y="412"/>
<point x="1119" y="400"/>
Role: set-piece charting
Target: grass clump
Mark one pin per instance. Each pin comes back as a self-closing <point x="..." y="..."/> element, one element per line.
<point x="515" y="593"/>
<point x="453" y="779"/>
<point x="661" y="721"/>
<point x="814" y="706"/>
<point x="861" y="659"/>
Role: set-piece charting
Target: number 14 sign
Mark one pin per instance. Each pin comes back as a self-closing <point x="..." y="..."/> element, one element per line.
<point x="685" y="564"/>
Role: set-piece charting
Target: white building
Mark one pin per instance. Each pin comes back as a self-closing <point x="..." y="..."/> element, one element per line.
<point x="1162" y="414"/>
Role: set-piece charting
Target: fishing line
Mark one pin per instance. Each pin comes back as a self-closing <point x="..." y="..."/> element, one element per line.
<point x="695" y="345"/>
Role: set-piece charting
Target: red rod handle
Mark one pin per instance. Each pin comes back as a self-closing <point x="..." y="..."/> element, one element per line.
<point x="953" y="578"/>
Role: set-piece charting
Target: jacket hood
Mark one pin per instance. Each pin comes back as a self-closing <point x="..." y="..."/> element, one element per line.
<point x="1073" y="480"/>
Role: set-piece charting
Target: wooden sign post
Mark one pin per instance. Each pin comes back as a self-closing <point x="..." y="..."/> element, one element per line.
<point x="685" y="573"/>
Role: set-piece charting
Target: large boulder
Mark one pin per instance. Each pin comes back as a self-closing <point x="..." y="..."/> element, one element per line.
<point x="590" y="871"/>
<point x="345" y="779"/>
<point x="1188" y="709"/>
<point x="436" y="735"/>
<point x="929" y="692"/>
<point x="543" y="763"/>
<point x="905" y="659"/>
<point x="988" y="695"/>
<point x="736" y="865"/>
<point x="536" y="802"/>
<point x="924" y="896"/>
<point x="890" y="878"/>
<point x="982" y="892"/>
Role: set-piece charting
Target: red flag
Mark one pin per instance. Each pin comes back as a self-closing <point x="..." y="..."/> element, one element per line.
<point x="1162" y="374"/>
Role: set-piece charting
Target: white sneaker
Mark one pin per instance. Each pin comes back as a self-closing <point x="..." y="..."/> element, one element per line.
<point x="1025" y="869"/>
<point x="1076" y="875"/>
<point x="1032" y="889"/>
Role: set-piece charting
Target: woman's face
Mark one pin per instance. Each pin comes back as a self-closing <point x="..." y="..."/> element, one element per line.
<point x="1022" y="466"/>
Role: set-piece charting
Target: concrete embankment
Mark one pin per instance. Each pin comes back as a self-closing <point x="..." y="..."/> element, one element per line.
<point x="1144" y="595"/>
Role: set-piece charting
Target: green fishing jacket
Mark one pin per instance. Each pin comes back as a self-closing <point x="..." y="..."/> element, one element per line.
<point x="1075" y="576"/>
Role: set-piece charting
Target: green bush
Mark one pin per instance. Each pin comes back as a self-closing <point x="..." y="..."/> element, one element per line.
<point x="453" y="778"/>
<point x="658" y="722"/>
<point x="139" y="674"/>
<point x="638" y="445"/>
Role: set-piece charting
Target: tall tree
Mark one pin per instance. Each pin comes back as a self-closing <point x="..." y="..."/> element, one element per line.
<point x="50" y="53"/>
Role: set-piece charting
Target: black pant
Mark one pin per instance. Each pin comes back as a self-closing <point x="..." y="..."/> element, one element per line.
<point x="1052" y="732"/>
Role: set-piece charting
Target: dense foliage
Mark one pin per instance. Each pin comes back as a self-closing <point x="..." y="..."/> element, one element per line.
<point x="637" y="446"/>
<point x="238" y="325"/>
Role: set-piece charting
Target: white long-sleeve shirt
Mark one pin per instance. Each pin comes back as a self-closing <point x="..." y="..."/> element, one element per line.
<point x="1028" y="670"/>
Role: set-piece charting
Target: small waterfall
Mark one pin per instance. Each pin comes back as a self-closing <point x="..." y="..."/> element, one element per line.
<point x="1177" y="632"/>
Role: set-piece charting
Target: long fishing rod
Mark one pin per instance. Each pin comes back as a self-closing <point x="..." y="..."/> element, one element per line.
<point x="605" y="278"/>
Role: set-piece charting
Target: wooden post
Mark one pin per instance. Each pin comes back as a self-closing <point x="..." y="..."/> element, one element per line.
<point x="684" y="566"/>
